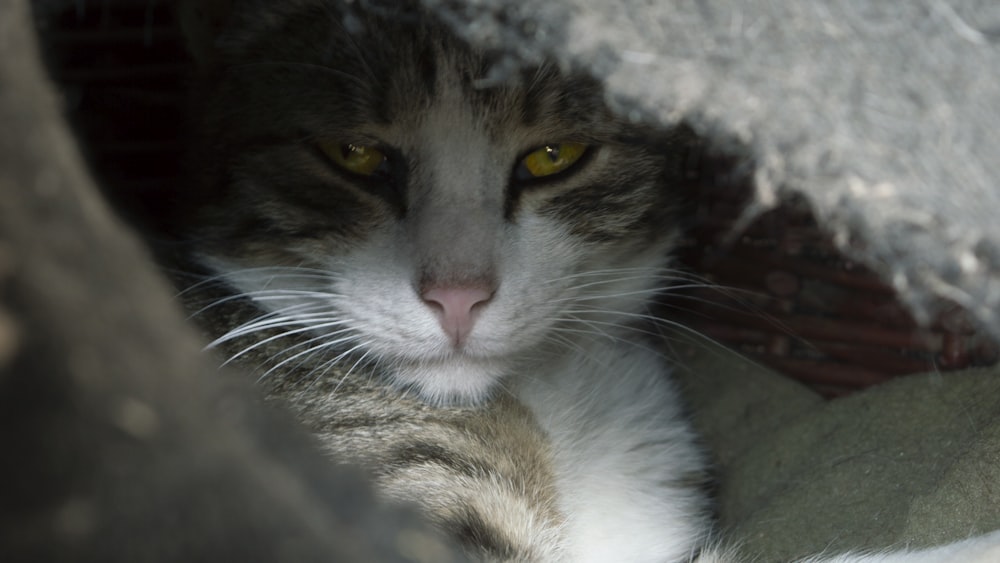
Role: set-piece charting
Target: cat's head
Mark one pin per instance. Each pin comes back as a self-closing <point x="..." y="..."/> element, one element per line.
<point x="358" y="175"/>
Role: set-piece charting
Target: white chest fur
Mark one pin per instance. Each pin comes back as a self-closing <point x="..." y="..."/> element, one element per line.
<point x="624" y="458"/>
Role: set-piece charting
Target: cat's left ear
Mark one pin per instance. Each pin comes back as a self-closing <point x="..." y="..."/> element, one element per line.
<point x="201" y="21"/>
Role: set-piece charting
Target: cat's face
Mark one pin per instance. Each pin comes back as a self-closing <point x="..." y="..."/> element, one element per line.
<point x="360" y="177"/>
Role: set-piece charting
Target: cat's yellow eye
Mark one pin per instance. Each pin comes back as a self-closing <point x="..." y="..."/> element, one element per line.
<point x="357" y="159"/>
<point x="553" y="159"/>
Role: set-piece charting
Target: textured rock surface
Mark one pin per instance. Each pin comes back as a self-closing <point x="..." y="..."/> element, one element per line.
<point x="121" y="441"/>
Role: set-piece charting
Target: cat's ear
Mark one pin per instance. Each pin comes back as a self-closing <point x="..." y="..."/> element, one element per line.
<point x="201" y="21"/>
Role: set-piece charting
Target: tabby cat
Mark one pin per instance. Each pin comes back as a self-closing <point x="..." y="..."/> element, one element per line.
<point x="445" y="272"/>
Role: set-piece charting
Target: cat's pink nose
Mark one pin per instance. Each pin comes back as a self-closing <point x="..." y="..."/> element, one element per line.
<point x="457" y="308"/>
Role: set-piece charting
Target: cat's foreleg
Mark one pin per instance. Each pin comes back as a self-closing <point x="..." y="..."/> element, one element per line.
<point x="627" y="470"/>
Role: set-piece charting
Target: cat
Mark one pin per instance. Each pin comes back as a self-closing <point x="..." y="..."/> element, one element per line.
<point x="446" y="273"/>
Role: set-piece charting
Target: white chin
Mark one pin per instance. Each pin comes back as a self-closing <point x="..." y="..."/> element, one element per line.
<point x="451" y="381"/>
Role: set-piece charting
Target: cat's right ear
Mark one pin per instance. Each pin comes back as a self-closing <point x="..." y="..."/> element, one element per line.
<point x="201" y="21"/>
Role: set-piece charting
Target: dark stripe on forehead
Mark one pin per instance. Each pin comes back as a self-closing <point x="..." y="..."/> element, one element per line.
<point x="407" y="58"/>
<point x="381" y="66"/>
<point x="538" y="90"/>
<point x="428" y="69"/>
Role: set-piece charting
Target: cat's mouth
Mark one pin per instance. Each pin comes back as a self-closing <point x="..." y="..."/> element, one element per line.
<point x="456" y="377"/>
<point x="459" y="357"/>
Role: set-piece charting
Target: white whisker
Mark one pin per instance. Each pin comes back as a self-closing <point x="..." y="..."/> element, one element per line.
<point x="329" y="364"/>
<point x="276" y="322"/>
<point x="288" y="333"/>
<point x="301" y="312"/>
<point x="275" y="272"/>
<point x="312" y="350"/>
<point x="352" y="368"/>
<point x="266" y="295"/>
<point x="644" y="270"/>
